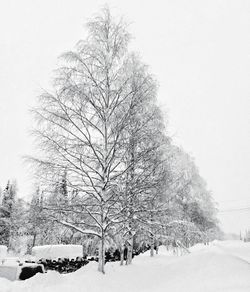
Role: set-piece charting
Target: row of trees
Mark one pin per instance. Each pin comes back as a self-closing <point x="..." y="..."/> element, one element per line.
<point x="185" y="213"/>
<point x="107" y="170"/>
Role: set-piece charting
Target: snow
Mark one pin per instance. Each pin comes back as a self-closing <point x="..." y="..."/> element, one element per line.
<point x="212" y="268"/>
<point x="236" y="248"/>
<point x="3" y="251"/>
<point x="9" y="271"/>
<point x="57" y="251"/>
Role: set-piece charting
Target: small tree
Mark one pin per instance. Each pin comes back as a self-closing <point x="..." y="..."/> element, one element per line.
<point x="7" y="213"/>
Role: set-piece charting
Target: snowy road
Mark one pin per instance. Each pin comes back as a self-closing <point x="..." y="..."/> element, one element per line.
<point x="241" y="251"/>
<point x="221" y="266"/>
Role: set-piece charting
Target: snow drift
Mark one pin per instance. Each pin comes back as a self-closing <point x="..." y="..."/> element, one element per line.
<point x="209" y="269"/>
<point x="57" y="251"/>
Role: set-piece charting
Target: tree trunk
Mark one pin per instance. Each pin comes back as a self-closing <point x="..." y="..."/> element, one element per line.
<point x="101" y="256"/>
<point x="34" y="240"/>
<point x="122" y="256"/>
<point x="130" y="252"/>
<point x="152" y="246"/>
<point x="9" y="240"/>
<point x="157" y="246"/>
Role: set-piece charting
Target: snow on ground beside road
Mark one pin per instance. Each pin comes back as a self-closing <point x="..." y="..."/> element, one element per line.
<point x="207" y="269"/>
<point x="57" y="251"/>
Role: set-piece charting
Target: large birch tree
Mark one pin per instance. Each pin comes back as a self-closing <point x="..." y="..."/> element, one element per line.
<point x="84" y="127"/>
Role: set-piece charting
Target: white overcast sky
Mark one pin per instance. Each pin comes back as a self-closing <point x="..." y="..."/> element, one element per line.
<point x="198" y="50"/>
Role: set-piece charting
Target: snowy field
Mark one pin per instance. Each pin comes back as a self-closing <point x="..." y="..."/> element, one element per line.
<point x="221" y="266"/>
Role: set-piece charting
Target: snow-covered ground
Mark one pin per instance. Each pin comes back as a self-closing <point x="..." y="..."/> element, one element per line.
<point x="57" y="251"/>
<point x="3" y="251"/>
<point x="221" y="266"/>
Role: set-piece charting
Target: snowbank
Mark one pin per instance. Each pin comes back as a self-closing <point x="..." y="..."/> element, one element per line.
<point x="210" y="270"/>
<point x="3" y="251"/>
<point x="57" y="251"/>
<point x="199" y="247"/>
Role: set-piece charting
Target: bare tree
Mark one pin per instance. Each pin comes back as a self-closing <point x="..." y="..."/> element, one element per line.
<point x="82" y="126"/>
